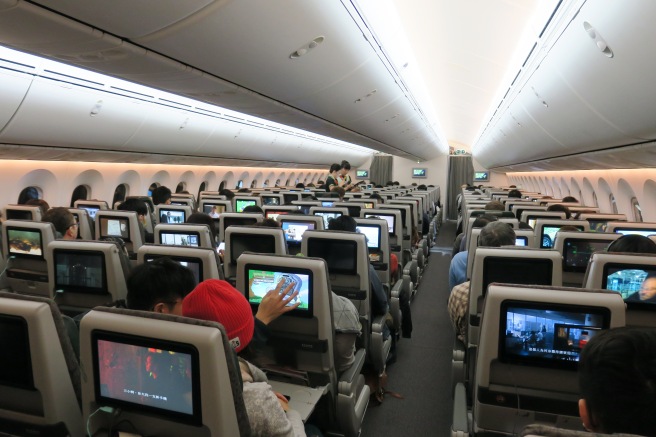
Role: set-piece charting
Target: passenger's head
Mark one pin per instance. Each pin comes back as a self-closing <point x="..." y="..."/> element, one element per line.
<point x="253" y="209"/>
<point x="161" y="196"/>
<point x="42" y="204"/>
<point x="632" y="244"/>
<point x="515" y="193"/>
<point x="617" y="379"/>
<point x="136" y="205"/>
<point x="569" y="228"/>
<point x="482" y="220"/>
<point x="377" y="197"/>
<point x="342" y="223"/>
<point x="570" y="199"/>
<point x="267" y="223"/>
<point x="204" y="219"/>
<point x="227" y="193"/>
<point x="218" y="301"/>
<point x="334" y="168"/>
<point x="345" y="168"/>
<point x="340" y="191"/>
<point x="494" y="205"/>
<point x="556" y="207"/>
<point x="160" y="286"/>
<point x="300" y="185"/>
<point x="64" y="222"/>
<point x="496" y="234"/>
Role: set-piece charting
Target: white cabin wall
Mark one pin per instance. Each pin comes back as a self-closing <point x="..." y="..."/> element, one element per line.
<point x="436" y="171"/>
<point x="58" y="179"/>
<point x="594" y="187"/>
<point x="497" y="179"/>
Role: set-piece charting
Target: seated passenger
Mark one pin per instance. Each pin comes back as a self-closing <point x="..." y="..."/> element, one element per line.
<point x="560" y="208"/>
<point x="632" y="244"/>
<point x="140" y="207"/>
<point x="515" y="194"/>
<point x="201" y="218"/>
<point x="42" y="204"/>
<point x="161" y="196"/>
<point x="570" y="199"/>
<point x="268" y="412"/>
<point x="460" y="243"/>
<point x="64" y="222"/>
<point x="253" y="209"/>
<point x="494" y="234"/>
<point x="617" y="378"/>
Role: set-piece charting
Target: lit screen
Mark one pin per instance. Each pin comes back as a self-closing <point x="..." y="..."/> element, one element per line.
<point x="80" y="272"/>
<point x="179" y="238"/>
<point x="388" y="218"/>
<point x="171" y="216"/>
<point x="24" y="243"/>
<point x="114" y="227"/>
<point x="294" y="230"/>
<point x="577" y="253"/>
<point x="213" y="210"/>
<point x="418" y="172"/>
<point x="240" y="204"/>
<point x="274" y="214"/>
<point x="327" y="203"/>
<point x="635" y="231"/>
<point x="195" y="265"/>
<point x="372" y="234"/>
<point x="261" y="281"/>
<point x="521" y="241"/>
<point x="91" y="210"/>
<point x="269" y="200"/>
<point x="327" y="217"/>
<point x="635" y="283"/>
<point x="548" y="236"/>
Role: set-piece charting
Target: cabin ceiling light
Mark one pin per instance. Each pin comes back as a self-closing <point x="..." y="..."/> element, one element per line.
<point x="371" y="93"/>
<point x="306" y="48"/>
<point x="599" y="41"/>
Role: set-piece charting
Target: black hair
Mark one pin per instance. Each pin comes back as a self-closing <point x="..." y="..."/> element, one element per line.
<point x="300" y="185"/>
<point x="229" y="194"/>
<point x="515" y="193"/>
<point x="345" y="165"/>
<point x="159" y="281"/>
<point x="253" y="209"/>
<point x="570" y="199"/>
<point x="617" y="379"/>
<point x="482" y="220"/>
<point x="342" y="223"/>
<point x="160" y="195"/>
<point x="267" y="223"/>
<point x="334" y="167"/>
<point x="134" y="204"/>
<point x="632" y="243"/>
<point x="560" y="208"/>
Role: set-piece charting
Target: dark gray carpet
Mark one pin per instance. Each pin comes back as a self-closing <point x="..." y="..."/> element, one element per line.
<point x="422" y="372"/>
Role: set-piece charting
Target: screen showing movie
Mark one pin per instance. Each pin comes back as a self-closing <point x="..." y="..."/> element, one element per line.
<point x="636" y="231"/>
<point x="261" y="279"/>
<point x="372" y="234"/>
<point x="179" y="238"/>
<point x="598" y="225"/>
<point x="305" y="209"/>
<point x="362" y="174"/>
<point x="340" y="255"/>
<point x="240" y="204"/>
<point x="214" y="210"/>
<point x="274" y="214"/>
<point x="240" y="243"/>
<point x="636" y="283"/>
<point x="481" y="176"/>
<point x="115" y="227"/>
<point x="548" y="236"/>
<point x="18" y="214"/>
<point x="521" y="241"/>
<point x="294" y="231"/>
<point x="80" y="272"/>
<point x="144" y="374"/>
<point x="388" y="218"/>
<point x="171" y="216"/>
<point x="327" y="216"/>
<point x="270" y="200"/>
<point x="507" y="270"/>
<point x="193" y="264"/>
<point x="24" y="243"/>
<point x="327" y="203"/>
<point x="418" y="172"/>
<point x="16" y="365"/>
<point x="547" y="335"/>
<point x="577" y="253"/>
<point x="369" y="205"/>
<point x="91" y="210"/>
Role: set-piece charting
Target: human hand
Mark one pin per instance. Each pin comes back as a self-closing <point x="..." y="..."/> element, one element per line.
<point x="284" y="403"/>
<point x="274" y="303"/>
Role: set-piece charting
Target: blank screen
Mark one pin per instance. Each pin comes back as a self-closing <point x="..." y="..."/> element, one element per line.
<point x="516" y="271"/>
<point x="16" y="362"/>
<point x="340" y="255"/>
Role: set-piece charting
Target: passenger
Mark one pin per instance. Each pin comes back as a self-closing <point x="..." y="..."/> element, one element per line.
<point x="494" y="205"/>
<point x="243" y="190"/>
<point x="42" y="204"/>
<point x="569" y="228"/>
<point x="300" y="185"/>
<point x="64" y="221"/>
<point x="617" y="378"/>
<point x="632" y="244"/>
<point x="140" y="207"/>
<point x="340" y="191"/>
<point x="268" y="412"/>
<point x="205" y="219"/>
<point x="570" y="199"/>
<point x="267" y="223"/>
<point x="460" y="243"/>
<point x="227" y="193"/>
<point x="560" y="208"/>
<point x="253" y="209"/>
<point x="515" y="194"/>
<point x="161" y="196"/>
<point x="494" y="234"/>
<point x="647" y="292"/>
<point x="378" y="197"/>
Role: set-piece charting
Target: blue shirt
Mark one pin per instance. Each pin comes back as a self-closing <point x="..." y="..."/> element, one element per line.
<point x="458" y="269"/>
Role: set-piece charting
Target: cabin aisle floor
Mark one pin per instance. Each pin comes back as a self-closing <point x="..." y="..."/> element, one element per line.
<point x="422" y="372"/>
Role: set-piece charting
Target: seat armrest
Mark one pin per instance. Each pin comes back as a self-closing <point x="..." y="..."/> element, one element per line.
<point x="350" y="375"/>
<point x="460" y="424"/>
<point x="396" y="289"/>
<point x="459" y="350"/>
<point x="377" y="324"/>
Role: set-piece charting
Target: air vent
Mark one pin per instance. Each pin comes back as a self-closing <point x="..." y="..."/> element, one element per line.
<point x="302" y="51"/>
<point x="599" y="41"/>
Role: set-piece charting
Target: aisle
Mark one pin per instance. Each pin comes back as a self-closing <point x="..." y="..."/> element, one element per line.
<point x="422" y="372"/>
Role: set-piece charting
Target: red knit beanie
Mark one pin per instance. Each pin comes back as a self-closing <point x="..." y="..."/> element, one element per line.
<point x="218" y="301"/>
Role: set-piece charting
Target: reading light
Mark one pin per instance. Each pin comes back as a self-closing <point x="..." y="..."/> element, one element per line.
<point x="306" y="48"/>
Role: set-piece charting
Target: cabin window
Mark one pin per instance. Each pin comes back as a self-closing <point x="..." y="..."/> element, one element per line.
<point x="239" y="185"/>
<point x="287" y="183"/>
<point x="277" y="182"/>
<point x="266" y="183"/>
<point x="637" y="211"/>
<point x="29" y="193"/>
<point x="613" y="203"/>
<point x="120" y="193"/>
<point x="182" y="186"/>
<point x="594" y="199"/>
<point x="202" y="187"/>
<point x="81" y="192"/>
<point x="254" y="183"/>
<point x="152" y="188"/>
<point x="222" y="185"/>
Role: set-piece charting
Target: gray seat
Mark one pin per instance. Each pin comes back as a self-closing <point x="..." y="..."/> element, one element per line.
<point x="240" y="239"/>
